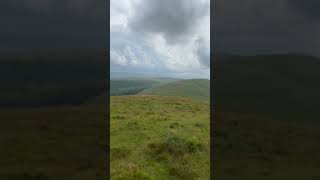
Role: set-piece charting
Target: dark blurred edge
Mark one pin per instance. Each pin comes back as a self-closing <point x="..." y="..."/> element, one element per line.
<point x="50" y="81"/>
<point x="212" y="78"/>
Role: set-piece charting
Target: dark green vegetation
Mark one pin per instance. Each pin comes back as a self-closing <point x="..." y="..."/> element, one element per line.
<point x="48" y="130"/>
<point x="132" y="86"/>
<point x="283" y="86"/>
<point x="159" y="137"/>
<point x="266" y="123"/>
<point x="51" y="78"/>
<point x="252" y="147"/>
<point x="53" y="143"/>
<point x="198" y="89"/>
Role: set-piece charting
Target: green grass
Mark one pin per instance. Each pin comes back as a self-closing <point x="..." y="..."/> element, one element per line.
<point x="47" y="131"/>
<point x="267" y="120"/>
<point x="198" y="89"/>
<point x="53" y="143"/>
<point x="250" y="147"/>
<point x="158" y="137"/>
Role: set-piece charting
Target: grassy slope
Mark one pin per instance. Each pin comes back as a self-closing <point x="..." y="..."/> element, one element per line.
<point x="154" y="137"/>
<point x="284" y="86"/>
<point x="262" y="104"/>
<point x="59" y="139"/>
<point x="53" y="143"/>
<point x="131" y="86"/>
<point x="253" y="147"/>
<point x="198" y="89"/>
<point x="39" y="78"/>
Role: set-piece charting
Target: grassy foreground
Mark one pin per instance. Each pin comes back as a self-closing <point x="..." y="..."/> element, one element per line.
<point x="53" y="143"/>
<point x="253" y="147"/>
<point x="157" y="137"/>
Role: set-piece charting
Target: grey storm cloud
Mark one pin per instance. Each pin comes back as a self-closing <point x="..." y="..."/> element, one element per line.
<point x="53" y="23"/>
<point x="308" y="8"/>
<point x="172" y="19"/>
<point x="88" y="8"/>
<point x="203" y="53"/>
<point x="267" y="26"/>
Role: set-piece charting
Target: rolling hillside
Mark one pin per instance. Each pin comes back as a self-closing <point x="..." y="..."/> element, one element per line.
<point x="132" y="86"/>
<point x="283" y="86"/>
<point x="159" y="137"/>
<point x="46" y="131"/>
<point x="266" y="117"/>
<point x="257" y="147"/>
<point x="198" y="89"/>
<point x="51" y="78"/>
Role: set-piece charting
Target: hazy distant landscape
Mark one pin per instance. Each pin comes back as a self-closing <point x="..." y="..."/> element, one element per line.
<point x="161" y="129"/>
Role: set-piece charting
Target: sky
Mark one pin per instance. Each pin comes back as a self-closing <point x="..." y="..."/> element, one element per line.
<point x="160" y="38"/>
<point x="267" y="26"/>
<point x="168" y="37"/>
<point x="33" y="24"/>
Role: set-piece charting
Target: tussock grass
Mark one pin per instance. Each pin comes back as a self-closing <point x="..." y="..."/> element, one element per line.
<point x="119" y="153"/>
<point x="175" y="147"/>
<point x="181" y="171"/>
<point x="162" y="140"/>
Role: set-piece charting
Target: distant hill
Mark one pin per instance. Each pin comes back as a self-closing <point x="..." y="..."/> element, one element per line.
<point x="134" y="85"/>
<point x="55" y="77"/>
<point x="198" y="89"/>
<point x="129" y="86"/>
<point x="284" y="85"/>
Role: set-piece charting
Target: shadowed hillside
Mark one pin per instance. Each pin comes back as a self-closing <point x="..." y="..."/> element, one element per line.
<point x="47" y="78"/>
<point x="132" y="86"/>
<point x="266" y="117"/>
<point x="283" y="86"/>
<point x="46" y="131"/>
<point x="257" y="147"/>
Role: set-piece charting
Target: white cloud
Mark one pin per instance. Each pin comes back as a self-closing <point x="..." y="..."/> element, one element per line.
<point x="117" y="58"/>
<point x="170" y="35"/>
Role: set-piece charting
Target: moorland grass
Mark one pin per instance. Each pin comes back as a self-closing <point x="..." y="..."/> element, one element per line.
<point x="155" y="137"/>
<point x="250" y="147"/>
<point x="197" y="89"/>
<point x="53" y="143"/>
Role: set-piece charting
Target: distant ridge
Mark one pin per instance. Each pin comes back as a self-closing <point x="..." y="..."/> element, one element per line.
<point x="284" y="85"/>
<point x="198" y="89"/>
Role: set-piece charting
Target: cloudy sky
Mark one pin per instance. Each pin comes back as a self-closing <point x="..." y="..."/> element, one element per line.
<point x="267" y="26"/>
<point x="166" y="38"/>
<point x="53" y="24"/>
